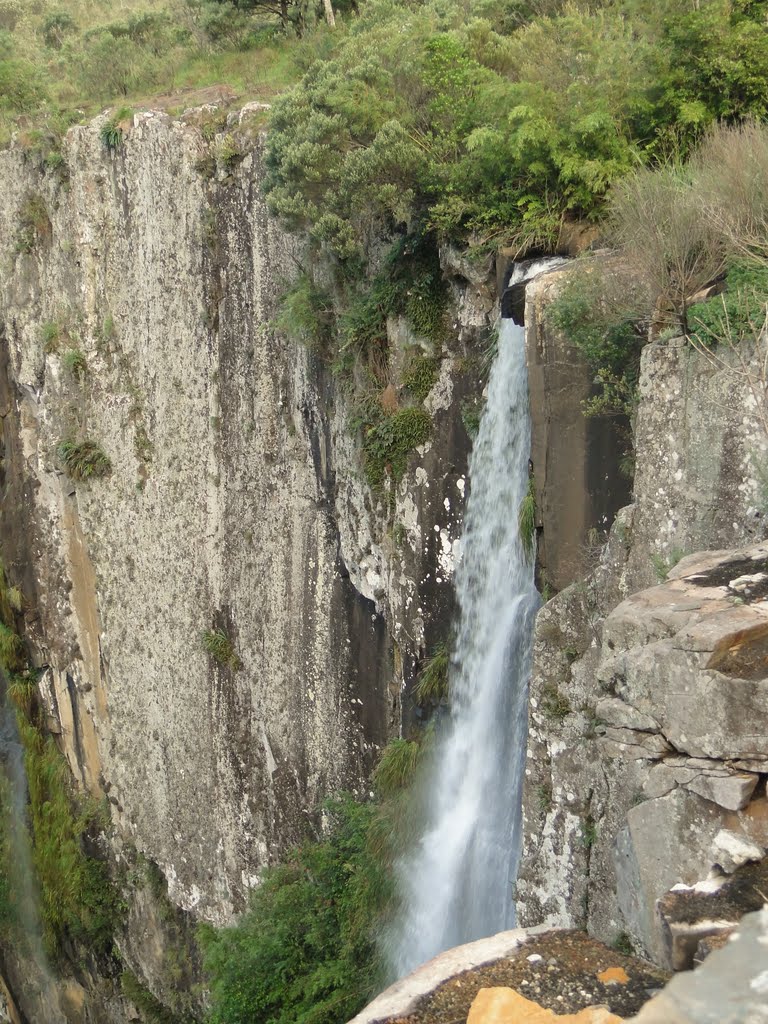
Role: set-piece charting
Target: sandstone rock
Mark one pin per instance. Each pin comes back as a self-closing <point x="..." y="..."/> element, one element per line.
<point x="613" y="976"/>
<point x="628" y="744"/>
<point x="667" y="841"/>
<point x="505" y="1006"/>
<point x="617" y="713"/>
<point x="575" y="460"/>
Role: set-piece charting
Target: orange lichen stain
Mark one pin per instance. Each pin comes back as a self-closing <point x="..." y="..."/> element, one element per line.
<point x="613" y="976"/>
<point x="506" y="1006"/>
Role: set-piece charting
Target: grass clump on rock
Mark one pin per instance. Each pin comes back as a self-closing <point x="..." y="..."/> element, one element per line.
<point x="387" y="445"/>
<point x="84" y="460"/>
<point x="221" y="648"/>
<point x="432" y="684"/>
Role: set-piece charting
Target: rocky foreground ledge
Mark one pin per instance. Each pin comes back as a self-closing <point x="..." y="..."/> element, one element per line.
<point x="513" y="976"/>
<point x="541" y="976"/>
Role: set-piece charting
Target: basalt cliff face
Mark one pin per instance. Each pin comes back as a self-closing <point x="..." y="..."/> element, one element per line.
<point x="137" y="313"/>
<point x="647" y="753"/>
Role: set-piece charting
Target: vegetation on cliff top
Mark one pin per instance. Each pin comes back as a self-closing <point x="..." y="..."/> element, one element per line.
<point x="489" y="120"/>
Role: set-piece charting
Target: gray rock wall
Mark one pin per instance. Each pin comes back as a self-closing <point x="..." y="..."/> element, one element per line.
<point x="236" y="502"/>
<point x="628" y="784"/>
<point x="575" y="460"/>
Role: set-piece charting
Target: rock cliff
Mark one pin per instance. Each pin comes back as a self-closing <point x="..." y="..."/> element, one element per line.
<point x="225" y="619"/>
<point x="647" y="756"/>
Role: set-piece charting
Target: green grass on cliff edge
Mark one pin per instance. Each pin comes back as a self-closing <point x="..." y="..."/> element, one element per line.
<point x="486" y="120"/>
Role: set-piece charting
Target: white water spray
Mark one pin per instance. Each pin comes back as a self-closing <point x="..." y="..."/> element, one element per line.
<point x="457" y="884"/>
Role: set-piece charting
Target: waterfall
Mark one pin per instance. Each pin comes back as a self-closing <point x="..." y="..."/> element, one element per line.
<point x="456" y="885"/>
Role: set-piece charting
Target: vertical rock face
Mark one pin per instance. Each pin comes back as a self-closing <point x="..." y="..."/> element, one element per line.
<point x="637" y="760"/>
<point x="136" y="307"/>
<point x="575" y="460"/>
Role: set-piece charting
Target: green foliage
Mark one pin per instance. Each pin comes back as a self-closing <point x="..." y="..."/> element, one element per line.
<point x="387" y="446"/>
<point x="21" y="86"/>
<point x="588" y="831"/>
<point x="228" y="151"/>
<point x="77" y="899"/>
<point x="304" y="953"/>
<point x="471" y="411"/>
<point x="306" y="314"/>
<point x="220" y="647"/>
<point x="451" y="115"/>
<point x="56" y="28"/>
<point x="84" y="460"/>
<point x="432" y="684"/>
<point x="34" y="223"/>
<point x="526" y="518"/>
<point x="50" y="333"/>
<point x="420" y="375"/>
<point x="75" y="363"/>
<point x="544" y="797"/>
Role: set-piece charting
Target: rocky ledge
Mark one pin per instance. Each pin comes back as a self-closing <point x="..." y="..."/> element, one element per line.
<point x="527" y="972"/>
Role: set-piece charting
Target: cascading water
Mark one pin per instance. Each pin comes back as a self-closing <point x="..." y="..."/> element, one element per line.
<point x="457" y="884"/>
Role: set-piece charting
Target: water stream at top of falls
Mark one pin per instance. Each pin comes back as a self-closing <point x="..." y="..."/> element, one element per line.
<point x="456" y="885"/>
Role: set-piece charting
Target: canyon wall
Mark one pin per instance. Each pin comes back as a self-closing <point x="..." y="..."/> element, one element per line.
<point x="647" y="756"/>
<point x="138" y="294"/>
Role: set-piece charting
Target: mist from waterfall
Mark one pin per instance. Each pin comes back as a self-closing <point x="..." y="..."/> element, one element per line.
<point x="456" y="885"/>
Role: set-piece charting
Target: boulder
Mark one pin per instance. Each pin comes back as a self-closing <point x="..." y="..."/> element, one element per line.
<point x="730" y="987"/>
<point x="505" y="1006"/>
<point x="673" y="840"/>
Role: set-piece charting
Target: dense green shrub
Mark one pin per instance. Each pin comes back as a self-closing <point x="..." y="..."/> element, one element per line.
<point x="387" y="446"/>
<point x="304" y="953"/>
<point x="739" y="314"/>
<point x="432" y="683"/>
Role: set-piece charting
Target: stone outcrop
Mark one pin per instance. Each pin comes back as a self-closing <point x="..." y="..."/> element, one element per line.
<point x="648" y="747"/>
<point x="730" y="987"/>
<point x="575" y="460"/>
